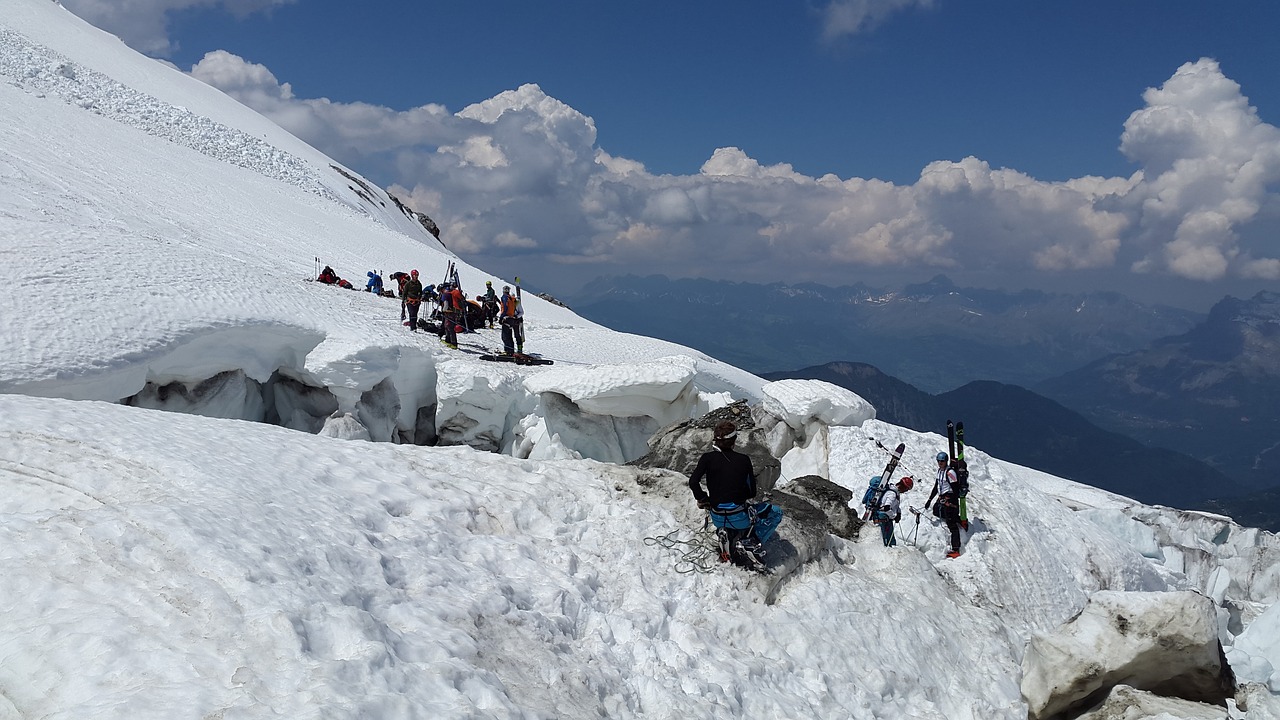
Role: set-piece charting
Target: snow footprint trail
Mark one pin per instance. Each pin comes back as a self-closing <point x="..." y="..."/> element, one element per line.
<point x="118" y="582"/>
<point x="29" y="490"/>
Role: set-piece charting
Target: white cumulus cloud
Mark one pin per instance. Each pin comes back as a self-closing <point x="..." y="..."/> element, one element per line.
<point x="520" y="176"/>
<point x="1210" y="165"/>
<point x="144" y="24"/>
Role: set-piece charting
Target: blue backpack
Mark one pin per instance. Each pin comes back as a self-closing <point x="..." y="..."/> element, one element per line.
<point x="760" y="519"/>
<point x="873" y="490"/>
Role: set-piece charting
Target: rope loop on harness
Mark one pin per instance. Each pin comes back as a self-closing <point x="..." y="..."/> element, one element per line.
<point x="700" y="553"/>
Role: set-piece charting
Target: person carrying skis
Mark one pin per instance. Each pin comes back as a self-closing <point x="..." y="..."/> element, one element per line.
<point x="452" y="308"/>
<point x="962" y="492"/>
<point x="742" y="528"/>
<point x="512" y="322"/>
<point x="412" y="298"/>
<point x="890" y="511"/>
<point x="948" y="508"/>
<point x="375" y="283"/>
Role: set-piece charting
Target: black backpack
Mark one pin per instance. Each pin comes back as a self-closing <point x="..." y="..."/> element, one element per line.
<point x="962" y="477"/>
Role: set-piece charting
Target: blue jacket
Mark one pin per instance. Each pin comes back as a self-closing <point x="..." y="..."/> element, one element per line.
<point x="375" y="283"/>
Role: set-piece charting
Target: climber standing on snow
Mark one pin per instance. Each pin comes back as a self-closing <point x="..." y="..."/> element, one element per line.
<point x="948" y="507"/>
<point x="889" y="511"/>
<point x="512" y="321"/>
<point x="742" y="527"/>
<point x="490" y="303"/>
<point x="412" y="294"/>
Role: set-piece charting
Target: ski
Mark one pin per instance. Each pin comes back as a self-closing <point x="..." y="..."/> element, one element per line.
<point x="885" y="478"/>
<point x="518" y="359"/>
<point x="961" y="467"/>
<point x="519" y="304"/>
<point x="951" y="440"/>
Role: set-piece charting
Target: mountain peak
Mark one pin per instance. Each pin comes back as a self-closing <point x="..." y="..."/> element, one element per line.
<point x="937" y="285"/>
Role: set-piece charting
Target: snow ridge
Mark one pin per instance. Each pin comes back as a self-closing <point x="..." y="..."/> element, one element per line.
<point x="44" y="72"/>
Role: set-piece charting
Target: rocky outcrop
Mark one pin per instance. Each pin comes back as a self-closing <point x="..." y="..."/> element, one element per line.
<point x="1126" y="703"/>
<point x="1163" y="643"/>
<point x="1258" y="702"/>
<point x="813" y="507"/>
<point x="679" y="445"/>
<point x="832" y="500"/>
<point x="800" y="539"/>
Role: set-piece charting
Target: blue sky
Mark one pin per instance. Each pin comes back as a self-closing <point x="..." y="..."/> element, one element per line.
<point x="858" y="89"/>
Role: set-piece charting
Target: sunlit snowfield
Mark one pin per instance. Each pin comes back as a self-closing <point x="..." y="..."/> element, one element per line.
<point x="170" y="565"/>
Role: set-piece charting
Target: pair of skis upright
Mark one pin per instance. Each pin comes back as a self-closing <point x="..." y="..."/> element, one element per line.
<point x="955" y="441"/>
<point x="895" y="455"/>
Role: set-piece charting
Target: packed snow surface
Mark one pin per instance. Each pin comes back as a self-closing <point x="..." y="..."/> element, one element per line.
<point x="159" y="242"/>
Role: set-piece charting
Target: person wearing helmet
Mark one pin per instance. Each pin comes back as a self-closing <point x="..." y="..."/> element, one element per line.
<point x="412" y="298"/>
<point x="948" y="507"/>
<point x="512" y="322"/>
<point x="453" y="310"/>
<point x="889" y="511"/>
<point x="490" y="304"/>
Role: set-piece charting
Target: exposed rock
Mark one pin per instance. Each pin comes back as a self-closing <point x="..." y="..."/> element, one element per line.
<point x="552" y="299"/>
<point x="800" y="539"/>
<point x="1164" y="643"/>
<point x="426" y="222"/>
<point x="832" y="500"/>
<point x="1126" y="703"/>
<point x="678" y="446"/>
<point x="424" y="428"/>
<point x="1259" y="702"/>
<point x="813" y="508"/>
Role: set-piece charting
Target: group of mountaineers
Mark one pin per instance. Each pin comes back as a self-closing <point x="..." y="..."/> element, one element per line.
<point x="742" y="527"/>
<point x="451" y="311"/>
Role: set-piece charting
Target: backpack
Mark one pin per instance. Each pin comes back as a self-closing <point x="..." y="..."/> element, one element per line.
<point x="873" y="490"/>
<point x="742" y="530"/>
<point x="962" y="477"/>
<point x="881" y="515"/>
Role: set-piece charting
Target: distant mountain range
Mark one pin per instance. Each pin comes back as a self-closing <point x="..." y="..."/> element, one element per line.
<point x="1160" y="404"/>
<point x="934" y="335"/>
<point x="1015" y="424"/>
<point x="1212" y="392"/>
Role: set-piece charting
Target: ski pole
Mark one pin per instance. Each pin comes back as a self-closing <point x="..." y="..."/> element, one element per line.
<point x="916" y="530"/>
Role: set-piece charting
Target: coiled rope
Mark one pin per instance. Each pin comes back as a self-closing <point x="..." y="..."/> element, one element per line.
<point x="700" y="554"/>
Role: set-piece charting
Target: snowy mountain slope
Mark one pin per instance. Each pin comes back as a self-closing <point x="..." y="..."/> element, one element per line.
<point x="177" y="566"/>
<point x="48" y="48"/>
<point x="169" y="565"/>
<point x="1011" y="518"/>
<point x="166" y="254"/>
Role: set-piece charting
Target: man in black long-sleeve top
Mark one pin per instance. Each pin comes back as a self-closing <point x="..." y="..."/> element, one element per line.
<point x="741" y="527"/>
<point x="730" y="478"/>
